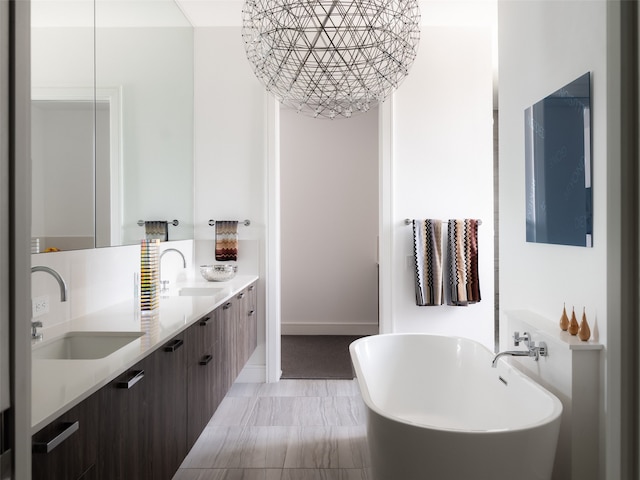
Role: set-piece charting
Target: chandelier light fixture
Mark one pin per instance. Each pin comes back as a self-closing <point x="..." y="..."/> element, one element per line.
<point x="331" y="58"/>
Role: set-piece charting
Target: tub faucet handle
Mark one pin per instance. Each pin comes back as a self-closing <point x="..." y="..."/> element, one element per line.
<point x="524" y="338"/>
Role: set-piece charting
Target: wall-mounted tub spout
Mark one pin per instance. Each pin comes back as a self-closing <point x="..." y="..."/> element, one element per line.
<point x="56" y="275"/>
<point x="532" y="350"/>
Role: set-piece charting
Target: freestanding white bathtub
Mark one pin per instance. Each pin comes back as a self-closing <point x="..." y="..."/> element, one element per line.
<point x="437" y="410"/>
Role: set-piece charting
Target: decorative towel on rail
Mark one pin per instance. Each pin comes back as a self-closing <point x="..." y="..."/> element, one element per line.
<point x="427" y="252"/>
<point x="156" y="230"/>
<point x="462" y="250"/>
<point x="226" y="240"/>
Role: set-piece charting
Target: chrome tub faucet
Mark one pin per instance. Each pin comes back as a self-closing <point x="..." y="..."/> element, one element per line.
<point x="532" y="350"/>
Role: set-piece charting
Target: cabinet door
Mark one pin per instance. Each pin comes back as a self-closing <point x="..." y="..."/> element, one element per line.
<point x="125" y="425"/>
<point x="201" y="375"/>
<point x="67" y="448"/>
<point x="242" y="330"/>
<point x="251" y="317"/>
<point x="168" y="408"/>
<point x="246" y="327"/>
<point x="228" y="367"/>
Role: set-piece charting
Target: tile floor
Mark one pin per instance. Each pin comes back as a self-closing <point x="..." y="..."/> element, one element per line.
<point x="290" y="430"/>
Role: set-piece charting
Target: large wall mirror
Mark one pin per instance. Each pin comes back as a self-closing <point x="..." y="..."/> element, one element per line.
<point x="112" y="121"/>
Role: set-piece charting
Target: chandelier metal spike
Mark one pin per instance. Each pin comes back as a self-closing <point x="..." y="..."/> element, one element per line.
<point x="331" y="58"/>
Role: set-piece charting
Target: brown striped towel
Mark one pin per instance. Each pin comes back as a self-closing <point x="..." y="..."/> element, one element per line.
<point x="156" y="230"/>
<point x="462" y="250"/>
<point x="226" y="240"/>
<point x="427" y="251"/>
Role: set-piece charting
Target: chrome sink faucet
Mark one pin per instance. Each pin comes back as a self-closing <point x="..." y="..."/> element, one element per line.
<point x="63" y="295"/>
<point x="165" y="283"/>
<point x="56" y="275"/>
<point x="532" y="350"/>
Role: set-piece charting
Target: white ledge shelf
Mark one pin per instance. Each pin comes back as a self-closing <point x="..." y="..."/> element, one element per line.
<point x="552" y="330"/>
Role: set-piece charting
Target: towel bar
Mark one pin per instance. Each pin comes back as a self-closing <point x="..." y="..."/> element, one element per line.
<point x="175" y="223"/>
<point x="408" y="221"/>
<point x="246" y="223"/>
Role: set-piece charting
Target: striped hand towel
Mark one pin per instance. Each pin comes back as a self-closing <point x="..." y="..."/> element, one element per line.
<point x="462" y="250"/>
<point x="226" y="240"/>
<point x="156" y="230"/>
<point x="427" y="251"/>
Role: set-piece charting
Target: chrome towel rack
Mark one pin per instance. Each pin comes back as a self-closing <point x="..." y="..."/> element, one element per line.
<point x="408" y="221"/>
<point x="175" y="223"/>
<point x="246" y="223"/>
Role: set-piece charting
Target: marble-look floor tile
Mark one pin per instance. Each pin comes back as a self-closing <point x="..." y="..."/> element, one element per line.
<point x="273" y="411"/>
<point x="233" y="411"/>
<point x="228" y="474"/>
<point x="214" y="448"/>
<point x="261" y="447"/>
<point x="244" y="389"/>
<point x="324" y="474"/>
<point x="343" y="388"/>
<point x="295" y="388"/>
<point x="353" y="450"/>
<point x="345" y="411"/>
<point x="312" y="447"/>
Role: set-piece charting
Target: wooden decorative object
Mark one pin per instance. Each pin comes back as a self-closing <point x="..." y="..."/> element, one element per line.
<point x="584" y="332"/>
<point x="564" y="319"/>
<point x="573" y="325"/>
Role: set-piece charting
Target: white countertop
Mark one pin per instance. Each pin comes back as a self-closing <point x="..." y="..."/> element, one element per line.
<point x="58" y="385"/>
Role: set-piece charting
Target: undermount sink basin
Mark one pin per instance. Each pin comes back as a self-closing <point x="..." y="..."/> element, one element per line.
<point x="84" y="345"/>
<point x="199" y="291"/>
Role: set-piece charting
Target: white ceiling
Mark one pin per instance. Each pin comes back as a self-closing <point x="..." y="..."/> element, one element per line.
<point x="217" y="13"/>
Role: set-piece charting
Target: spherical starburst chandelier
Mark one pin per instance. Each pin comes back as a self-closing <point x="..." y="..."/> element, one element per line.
<point x="331" y="58"/>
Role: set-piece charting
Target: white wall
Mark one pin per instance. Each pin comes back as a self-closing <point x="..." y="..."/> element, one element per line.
<point x="442" y="167"/>
<point x="543" y="46"/>
<point x="329" y="199"/>
<point x="230" y="155"/>
<point x="99" y="277"/>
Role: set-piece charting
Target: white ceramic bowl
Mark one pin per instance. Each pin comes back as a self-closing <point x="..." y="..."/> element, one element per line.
<point x="218" y="273"/>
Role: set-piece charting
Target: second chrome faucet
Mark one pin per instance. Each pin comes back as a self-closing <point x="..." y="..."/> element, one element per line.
<point x="532" y="350"/>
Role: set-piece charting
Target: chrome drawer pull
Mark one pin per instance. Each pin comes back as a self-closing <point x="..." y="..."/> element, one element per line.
<point x="251" y="312"/>
<point x="204" y="321"/>
<point x="206" y="359"/>
<point x="227" y="306"/>
<point x="46" y="447"/>
<point x="135" y="378"/>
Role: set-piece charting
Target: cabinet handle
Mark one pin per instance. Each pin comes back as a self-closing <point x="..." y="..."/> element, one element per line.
<point x="174" y="345"/>
<point x="251" y="312"/>
<point x="206" y="359"/>
<point x="240" y="295"/>
<point x="45" y="447"/>
<point x="135" y="378"/>
<point x="251" y="287"/>
<point x="204" y="321"/>
<point x="227" y="306"/>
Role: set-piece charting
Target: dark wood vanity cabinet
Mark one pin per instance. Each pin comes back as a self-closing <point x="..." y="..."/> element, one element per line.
<point x="168" y="408"/>
<point x="125" y="421"/>
<point x="142" y="424"/>
<point x="67" y="448"/>
<point x="246" y="329"/>
<point x="143" y="417"/>
<point x="203" y="360"/>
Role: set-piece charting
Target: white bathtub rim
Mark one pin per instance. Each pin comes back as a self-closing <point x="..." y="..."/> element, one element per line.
<point x="549" y="419"/>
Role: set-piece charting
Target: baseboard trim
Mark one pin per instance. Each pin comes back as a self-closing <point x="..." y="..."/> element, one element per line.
<point x="329" y="328"/>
